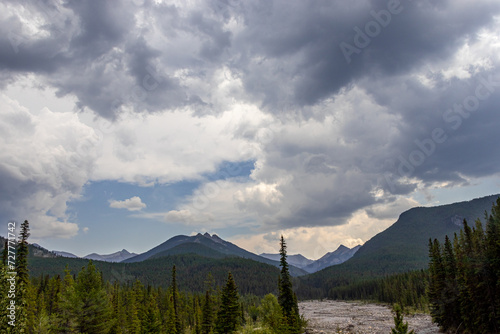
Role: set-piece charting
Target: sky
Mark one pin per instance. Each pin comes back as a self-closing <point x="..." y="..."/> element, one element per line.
<point x="125" y="123"/>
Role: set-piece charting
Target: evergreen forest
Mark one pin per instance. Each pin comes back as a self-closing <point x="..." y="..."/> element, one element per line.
<point x="84" y="302"/>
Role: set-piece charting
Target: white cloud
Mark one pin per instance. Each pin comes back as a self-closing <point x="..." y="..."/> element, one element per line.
<point x="44" y="164"/>
<point x="131" y="204"/>
<point x="173" y="146"/>
<point x="392" y="208"/>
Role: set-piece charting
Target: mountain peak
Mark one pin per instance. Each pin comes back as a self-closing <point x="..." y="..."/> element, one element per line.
<point x="207" y="235"/>
<point x="216" y="238"/>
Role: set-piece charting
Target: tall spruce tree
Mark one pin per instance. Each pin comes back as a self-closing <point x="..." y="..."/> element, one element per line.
<point x="22" y="254"/>
<point x="22" y="278"/>
<point x="228" y="316"/>
<point x="287" y="298"/>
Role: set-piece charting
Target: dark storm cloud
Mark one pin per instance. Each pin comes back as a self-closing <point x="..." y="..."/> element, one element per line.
<point x="90" y="42"/>
<point x="300" y="42"/>
<point x="288" y="53"/>
<point x="446" y="129"/>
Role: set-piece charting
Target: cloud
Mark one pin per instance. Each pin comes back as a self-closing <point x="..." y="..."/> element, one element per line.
<point x="185" y="87"/>
<point x="390" y="209"/>
<point x="131" y="204"/>
<point x="45" y="164"/>
<point x="170" y="147"/>
<point x="287" y="60"/>
<point x="187" y="217"/>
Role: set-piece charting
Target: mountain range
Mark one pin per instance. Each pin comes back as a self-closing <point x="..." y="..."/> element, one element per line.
<point x="340" y="255"/>
<point x="113" y="257"/>
<point x="213" y="246"/>
<point x="400" y="248"/>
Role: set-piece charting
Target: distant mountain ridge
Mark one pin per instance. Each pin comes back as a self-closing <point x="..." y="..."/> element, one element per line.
<point x="297" y="260"/>
<point x="65" y="254"/>
<point x="213" y="242"/>
<point x="340" y="255"/>
<point x="114" y="257"/>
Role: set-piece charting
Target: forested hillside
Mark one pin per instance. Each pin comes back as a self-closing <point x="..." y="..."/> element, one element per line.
<point x="253" y="277"/>
<point x="399" y="249"/>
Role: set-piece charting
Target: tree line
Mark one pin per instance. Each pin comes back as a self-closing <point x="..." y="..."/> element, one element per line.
<point x="84" y="302"/>
<point x="409" y="290"/>
<point x="464" y="285"/>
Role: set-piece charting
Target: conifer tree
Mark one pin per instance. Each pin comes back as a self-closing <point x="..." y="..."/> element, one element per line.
<point x="68" y="308"/>
<point x="451" y="306"/>
<point x="171" y="320"/>
<point x="22" y="254"/>
<point x="94" y="316"/>
<point x="400" y="327"/>
<point x="175" y="302"/>
<point x="270" y="312"/>
<point x="207" y="314"/>
<point x="228" y="315"/>
<point x="22" y="278"/>
<point x="118" y="312"/>
<point x="198" y="316"/>
<point x="151" y="323"/>
<point x="133" y="323"/>
<point x="287" y="298"/>
<point x="437" y="279"/>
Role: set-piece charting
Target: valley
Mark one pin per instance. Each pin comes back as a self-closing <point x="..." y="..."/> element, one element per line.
<point x="391" y="268"/>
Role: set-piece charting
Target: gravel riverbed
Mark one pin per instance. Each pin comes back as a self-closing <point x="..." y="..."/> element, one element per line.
<point x="331" y="316"/>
